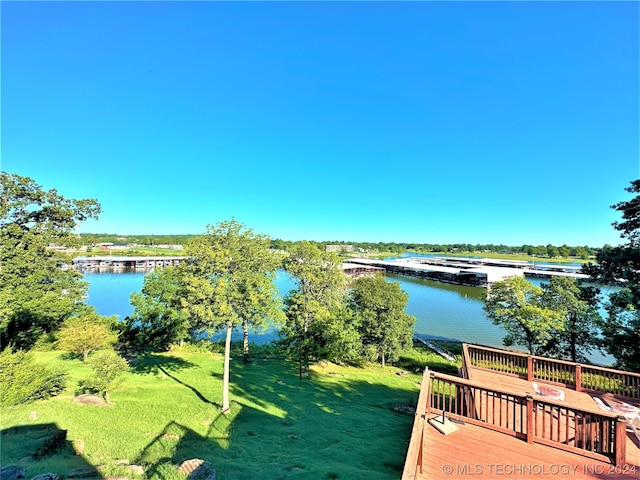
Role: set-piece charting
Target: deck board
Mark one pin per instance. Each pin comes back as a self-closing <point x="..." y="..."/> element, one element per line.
<point x="479" y="453"/>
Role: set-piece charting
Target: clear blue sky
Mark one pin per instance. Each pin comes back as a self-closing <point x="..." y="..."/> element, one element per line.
<point x="430" y="122"/>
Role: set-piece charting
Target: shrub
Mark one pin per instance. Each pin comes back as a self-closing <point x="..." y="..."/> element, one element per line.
<point x="24" y="381"/>
<point x="108" y="369"/>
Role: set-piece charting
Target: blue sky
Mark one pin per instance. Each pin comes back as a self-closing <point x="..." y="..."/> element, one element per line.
<point x="430" y="122"/>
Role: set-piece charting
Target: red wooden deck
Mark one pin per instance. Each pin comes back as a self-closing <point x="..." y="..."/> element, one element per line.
<point x="476" y="452"/>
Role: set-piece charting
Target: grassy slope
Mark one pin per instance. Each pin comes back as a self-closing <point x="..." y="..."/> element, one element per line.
<point x="343" y="423"/>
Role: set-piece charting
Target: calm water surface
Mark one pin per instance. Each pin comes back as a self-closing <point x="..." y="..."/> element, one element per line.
<point x="441" y="310"/>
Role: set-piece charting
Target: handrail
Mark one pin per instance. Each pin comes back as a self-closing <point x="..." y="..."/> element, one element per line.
<point x="593" y="433"/>
<point x="548" y="370"/>
<point x="414" y="461"/>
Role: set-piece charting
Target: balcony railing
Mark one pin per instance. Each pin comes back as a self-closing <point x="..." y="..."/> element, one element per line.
<point x="572" y="375"/>
<point x="596" y="434"/>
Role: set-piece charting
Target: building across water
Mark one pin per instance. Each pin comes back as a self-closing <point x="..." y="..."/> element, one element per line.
<point x="124" y="263"/>
<point x="476" y="272"/>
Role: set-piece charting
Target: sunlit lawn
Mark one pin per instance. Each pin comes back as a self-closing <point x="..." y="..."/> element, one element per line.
<point x="341" y="423"/>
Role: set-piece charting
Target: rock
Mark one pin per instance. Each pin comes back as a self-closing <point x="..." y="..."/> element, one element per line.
<point x="12" y="472"/>
<point x="123" y="461"/>
<point x="82" y="472"/>
<point x="78" y="447"/>
<point x="89" y="399"/>
<point x="198" y="469"/>
<point x="136" y="469"/>
<point x="33" y="415"/>
<point x="47" y="476"/>
<point x="402" y="374"/>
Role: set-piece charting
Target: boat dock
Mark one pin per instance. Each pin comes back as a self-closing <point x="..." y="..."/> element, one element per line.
<point x="476" y="272"/>
<point x="120" y="263"/>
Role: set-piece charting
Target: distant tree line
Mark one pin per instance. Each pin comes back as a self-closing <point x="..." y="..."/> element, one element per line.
<point x="584" y="252"/>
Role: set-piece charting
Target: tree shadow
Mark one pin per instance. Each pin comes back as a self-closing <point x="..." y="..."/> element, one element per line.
<point x="42" y="448"/>
<point x="280" y="427"/>
<point x="194" y="390"/>
<point x="153" y="362"/>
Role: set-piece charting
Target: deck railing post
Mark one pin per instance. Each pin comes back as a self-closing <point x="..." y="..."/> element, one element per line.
<point x="578" y="377"/>
<point x="620" y="448"/>
<point x="529" y="368"/>
<point x="529" y="418"/>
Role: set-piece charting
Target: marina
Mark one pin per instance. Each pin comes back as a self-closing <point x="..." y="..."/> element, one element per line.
<point x="121" y="263"/>
<point x="475" y="272"/>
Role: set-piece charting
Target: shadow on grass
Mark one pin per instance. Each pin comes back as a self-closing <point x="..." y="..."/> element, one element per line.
<point x="152" y="363"/>
<point x="42" y="448"/>
<point x="194" y="390"/>
<point x="334" y="427"/>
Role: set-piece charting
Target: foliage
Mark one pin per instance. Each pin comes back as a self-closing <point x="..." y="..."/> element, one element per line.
<point x="382" y="322"/>
<point x="331" y="425"/>
<point x="159" y="318"/>
<point x="230" y="282"/>
<point x="621" y="265"/>
<point x="108" y="368"/>
<point x="24" y="381"/>
<point x="516" y="305"/>
<point x="87" y="332"/>
<point x="578" y="306"/>
<point x="36" y="295"/>
<point x="320" y="294"/>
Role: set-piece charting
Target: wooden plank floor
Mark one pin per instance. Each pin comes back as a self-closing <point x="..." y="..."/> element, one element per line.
<point x="479" y="453"/>
<point x="476" y="452"/>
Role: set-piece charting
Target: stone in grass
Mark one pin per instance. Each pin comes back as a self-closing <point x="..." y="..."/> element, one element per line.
<point x="47" y="476"/>
<point x="90" y="399"/>
<point x="12" y="472"/>
<point x="136" y="470"/>
<point x="82" y="472"/>
<point x="198" y="469"/>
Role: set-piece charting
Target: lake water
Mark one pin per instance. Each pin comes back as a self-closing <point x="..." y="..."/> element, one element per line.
<point x="442" y="310"/>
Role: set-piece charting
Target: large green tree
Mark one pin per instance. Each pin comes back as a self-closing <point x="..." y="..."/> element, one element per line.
<point x="230" y="282"/>
<point x="320" y="294"/>
<point x="381" y="319"/>
<point x="621" y="266"/>
<point x="578" y="305"/>
<point x="36" y="293"/>
<point x="516" y="305"/>
<point x="160" y="317"/>
<point x="86" y="332"/>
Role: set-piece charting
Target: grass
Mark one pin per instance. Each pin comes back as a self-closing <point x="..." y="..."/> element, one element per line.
<point x="341" y="423"/>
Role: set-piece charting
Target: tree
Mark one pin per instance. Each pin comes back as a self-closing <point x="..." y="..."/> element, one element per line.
<point x="320" y="293"/>
<point x="621" y="266"/>
<point x="382" y="321"/>
<point x="36" y="295"/>
<point x="515" y="304"/>
<point x="108" y="368"/>
<point x="86" y="332"/>
<point x="230" y="282"/>
<point x="578" y="306"/>
<point x="160" y="318"/>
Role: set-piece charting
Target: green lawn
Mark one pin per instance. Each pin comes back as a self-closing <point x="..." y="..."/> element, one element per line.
<point x="344" y="422"/>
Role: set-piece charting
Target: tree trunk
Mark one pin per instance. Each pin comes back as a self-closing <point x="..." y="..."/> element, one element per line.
<point x="85" y="354"/>
<point x="245" y="341"/>
<point x="225" y="372"/>
<point x="382" y="359"/>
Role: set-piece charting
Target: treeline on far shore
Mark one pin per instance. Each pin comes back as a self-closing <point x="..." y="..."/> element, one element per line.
<point x="551" y="251"/>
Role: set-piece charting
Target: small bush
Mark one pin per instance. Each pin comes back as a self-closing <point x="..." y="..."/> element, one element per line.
<point x="24" y="381"/>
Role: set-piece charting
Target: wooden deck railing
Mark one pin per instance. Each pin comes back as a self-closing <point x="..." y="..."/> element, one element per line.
<point x="414" y="462"/>
<point x="547" y="370"/>
<point x="595" y="434"/>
